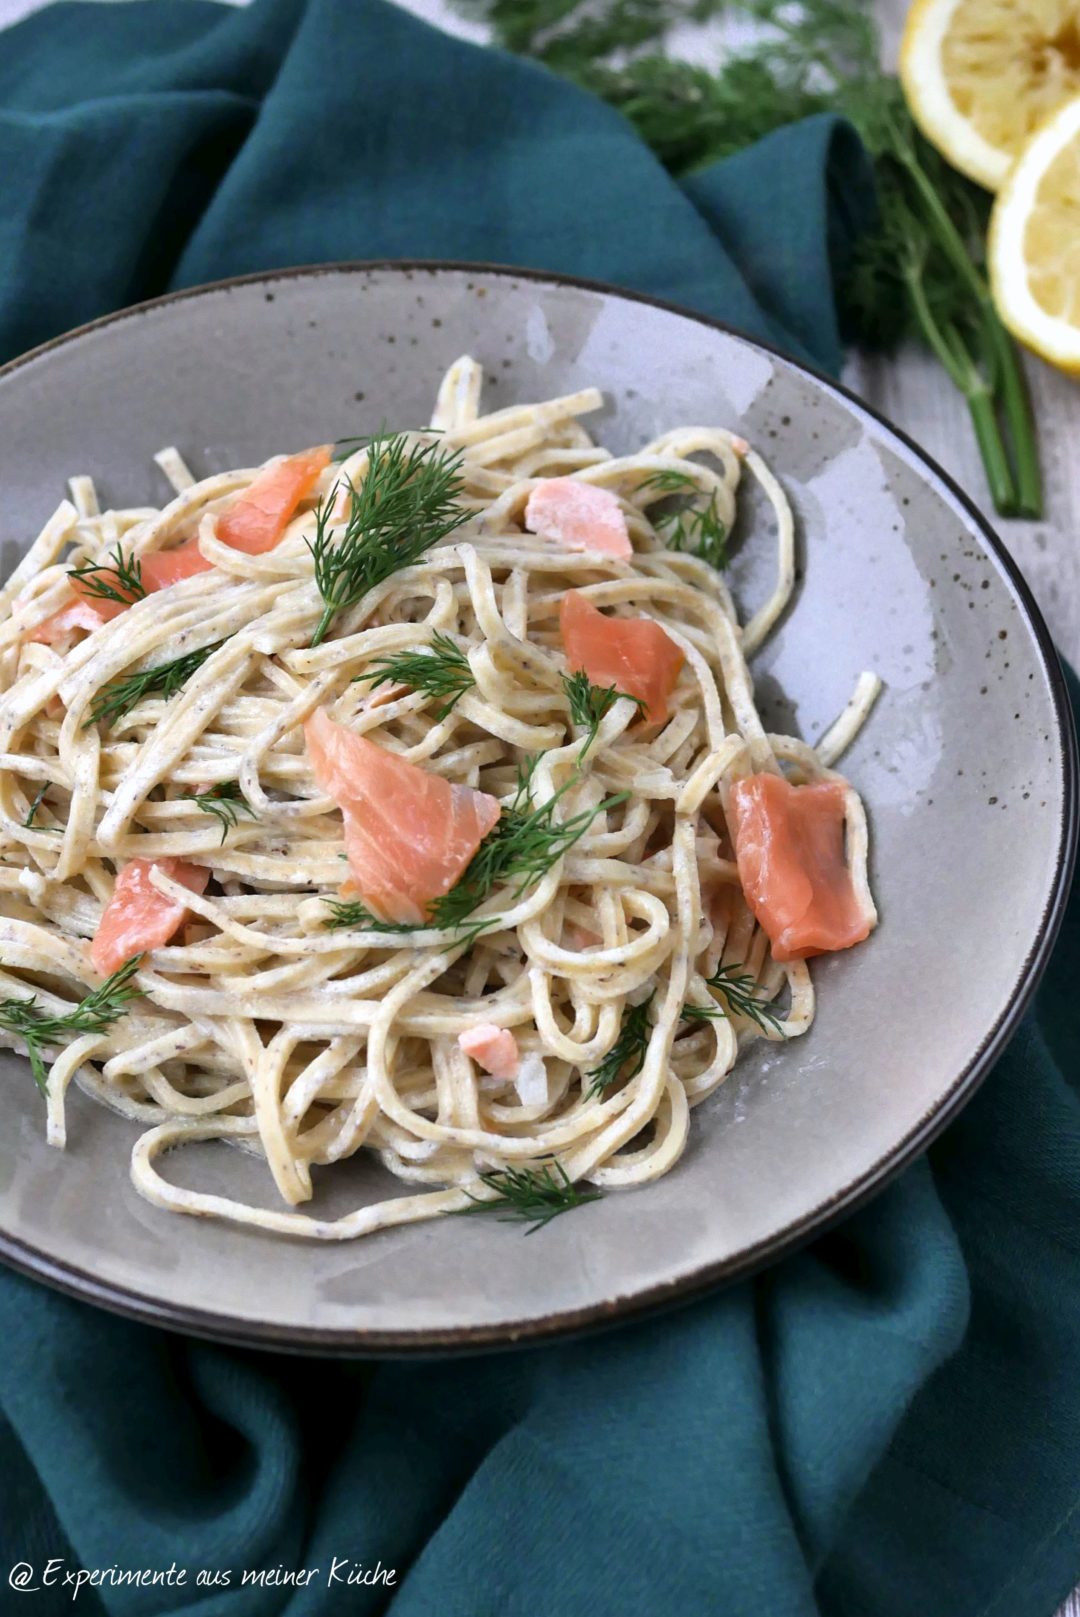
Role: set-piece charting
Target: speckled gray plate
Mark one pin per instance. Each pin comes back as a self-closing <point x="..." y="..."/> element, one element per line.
<point x="967" y="769"/>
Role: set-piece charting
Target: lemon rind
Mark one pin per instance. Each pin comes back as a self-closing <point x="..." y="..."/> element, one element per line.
<point x="932" y="106"/>
<point x="1054" y="339"/>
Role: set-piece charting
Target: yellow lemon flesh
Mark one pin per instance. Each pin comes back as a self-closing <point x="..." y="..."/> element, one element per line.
<point x="1034" y="247"/>
<point x="980" y="76"/>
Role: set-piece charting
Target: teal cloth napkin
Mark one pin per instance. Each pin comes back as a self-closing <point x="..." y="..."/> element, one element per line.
<point x="886" y="1424"/>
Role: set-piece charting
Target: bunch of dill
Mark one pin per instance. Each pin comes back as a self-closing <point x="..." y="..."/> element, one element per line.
<point x="920" y="273"/>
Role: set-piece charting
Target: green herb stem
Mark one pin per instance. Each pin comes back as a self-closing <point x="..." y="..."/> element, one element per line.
<point x="40" y="1030"/>
<point x="1019" y="418"/>
<point x="627" y="1055"/>
<point x="590" y="705"/>
<point x="164" y="680"/>
<point x="405" y="505"/>
<point x="1025" y="495"/>
<point x="521" y="849"/>
<point x="995" y="459"/>
<point x="354" y="915"/>
<point x="119" y="579"/>
<point x="739" y="997"/>
<point x="442" y="669"/>
<point x="532" y="1196"/>
<point x="949" y="347"/>
<point x="35" y="804"/>
<point x="225" y="803"/>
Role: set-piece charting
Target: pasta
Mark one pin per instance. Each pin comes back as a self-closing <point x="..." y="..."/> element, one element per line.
<point x="263" y="1024"/>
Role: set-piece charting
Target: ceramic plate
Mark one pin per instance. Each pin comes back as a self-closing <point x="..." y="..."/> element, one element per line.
<point x="967" y="769"/>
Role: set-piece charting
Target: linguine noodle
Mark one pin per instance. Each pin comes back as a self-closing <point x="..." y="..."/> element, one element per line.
<point x="265" y="1027"/>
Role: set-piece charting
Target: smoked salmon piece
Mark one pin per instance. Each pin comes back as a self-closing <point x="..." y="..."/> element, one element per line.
<point x="408" y="834"/>
<point x="78" y="614"/>
<point x="633" y="654"/>
<point x="89" y="611"/>
<point x="253" y="523"/>
<point x="164" y="567"/>
<point x="258" y="517"/>
<point x="138" y="917"/>
<point x="579" y="516"/>
<point x="789" y="846"/>
<point x="493" y="1048"/>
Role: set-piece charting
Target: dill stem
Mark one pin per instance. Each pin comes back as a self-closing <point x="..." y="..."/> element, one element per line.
<point x="322" y="626"/>
<point x="957" y="362"/>
<point x="1009" y="384"/>
<point x="941" y="225"/>
<point x="999" y="474"/>
<point x="1016" y="404"/>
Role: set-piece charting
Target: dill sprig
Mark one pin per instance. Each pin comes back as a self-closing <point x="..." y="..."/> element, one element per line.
<point x="32" y="810"/>
<point x="344" y="447"/>
<point x="920" y="273"/>
<point x="628" y="1051"/>
<point x="96" y="1013"/>
<point x="226" y="802"/>
<point x="532" y="1196"/>
<point x="405" y="504"/>
<point x="443" y="670"/>
<point x="355" y="915"/>
<point x="164" y="680"/>
<point x="694" y="529"/>
<point x="738" y="990"/>
<point x="521" y="849"/>
<point x="669" y="481"/>
<point x="698" y="531"/>
<point x="119" y="579"/>
<point x="36" y="804"/>
<point x="590" y="704"/>
<point x="565" y="33"/>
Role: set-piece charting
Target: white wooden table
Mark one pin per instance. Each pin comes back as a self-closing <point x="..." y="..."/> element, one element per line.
<point x="911" y="390"/>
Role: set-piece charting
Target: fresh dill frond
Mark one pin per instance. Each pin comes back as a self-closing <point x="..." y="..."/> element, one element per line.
<point x="355" y="915"/>
<point x="691" y="116"/>
<point x="628" y="1051"/>
<point x="670" y="481"/>
<point x="36" y="804"/>
<point x="443" y="670"/>
<point x="738" y="990"/>
<point x="119" y="579"/>
<point x="406" y="503"/>
<point x="532" y="1196"/>
<point x="520" y="850"/>
<point x="565" y="33"/>
<point x="40" y="1030"/>
<point x="590" y="704"/>
<point x="226" y="802"/>
<point x="32" y="810"/>
<point x="697" y="531"/>
<point x="344" y="447"/>
<point x="164" y="680"/>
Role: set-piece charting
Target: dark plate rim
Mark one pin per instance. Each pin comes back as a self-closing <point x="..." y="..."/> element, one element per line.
<point x="214" y="1326"/>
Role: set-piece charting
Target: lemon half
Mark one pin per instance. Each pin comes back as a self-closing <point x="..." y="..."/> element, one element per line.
<point x="980" y="76"/>
<point x="1034" y="246"/>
